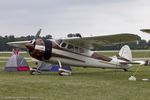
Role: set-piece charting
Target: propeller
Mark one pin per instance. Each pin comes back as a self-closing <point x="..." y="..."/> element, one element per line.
<point x="39" y="48"/>
<point x="36" y="36"/>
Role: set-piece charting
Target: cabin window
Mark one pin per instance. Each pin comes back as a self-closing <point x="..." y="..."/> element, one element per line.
<point x="60" y="42"/>
<point x="76" y="49"/>
<point x="81" y="50"/>
<point x="70" y="47"/>
<point x="63" y="45"/>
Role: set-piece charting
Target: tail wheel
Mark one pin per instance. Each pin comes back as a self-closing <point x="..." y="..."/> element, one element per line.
<point x="125" y="70"/>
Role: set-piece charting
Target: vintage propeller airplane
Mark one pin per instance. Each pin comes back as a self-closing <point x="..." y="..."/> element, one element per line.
<point x="78" y="51"/>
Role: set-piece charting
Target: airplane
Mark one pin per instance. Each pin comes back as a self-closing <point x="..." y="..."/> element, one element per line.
<point x="145" y="30"/>
<point x="79" y="51"/>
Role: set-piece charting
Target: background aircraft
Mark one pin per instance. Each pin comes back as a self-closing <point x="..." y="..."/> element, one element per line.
<point x="78" y="51"/>
<point x="145" y="30"/>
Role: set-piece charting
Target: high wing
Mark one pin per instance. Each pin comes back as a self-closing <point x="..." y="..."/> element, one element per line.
<point x="18" y="44"/>
<point x="90" y="42"/>
<point x="98" y="41"/>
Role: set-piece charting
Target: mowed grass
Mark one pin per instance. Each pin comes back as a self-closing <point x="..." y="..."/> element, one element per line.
<point x="83" y="84"/>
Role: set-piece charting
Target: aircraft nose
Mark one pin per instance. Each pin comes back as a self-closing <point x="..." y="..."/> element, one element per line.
<point x="30" y="47"/>
<point x="40" y="49"/>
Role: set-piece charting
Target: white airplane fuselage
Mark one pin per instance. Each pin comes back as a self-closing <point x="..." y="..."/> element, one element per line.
<point x="85" y="58"/>
<point x="84" y="61"/>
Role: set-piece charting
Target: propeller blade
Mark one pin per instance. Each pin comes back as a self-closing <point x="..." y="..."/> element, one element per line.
<point x="38" y="34"/>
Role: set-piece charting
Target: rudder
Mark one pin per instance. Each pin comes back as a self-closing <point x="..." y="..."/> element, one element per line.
<point x="125" y="53"/>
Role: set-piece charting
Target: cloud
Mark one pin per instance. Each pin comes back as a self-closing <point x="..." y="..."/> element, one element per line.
<point x="59" y="17"/>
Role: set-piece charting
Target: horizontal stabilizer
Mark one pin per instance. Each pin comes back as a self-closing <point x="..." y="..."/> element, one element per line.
<point x="134" y="62"/>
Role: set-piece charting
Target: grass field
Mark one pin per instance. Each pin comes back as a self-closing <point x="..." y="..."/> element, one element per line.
<point x="83" y="84"/>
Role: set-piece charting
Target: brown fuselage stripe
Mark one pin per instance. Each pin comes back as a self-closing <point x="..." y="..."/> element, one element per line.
<point x="121" y="58"/>
<point x="98" y="56"/>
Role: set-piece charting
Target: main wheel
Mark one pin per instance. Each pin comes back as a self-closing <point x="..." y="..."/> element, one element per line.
<point x="35" y="72"/>
<point x="63" y="73"/>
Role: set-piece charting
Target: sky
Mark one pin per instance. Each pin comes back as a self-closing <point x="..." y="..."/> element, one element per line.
<point x="61" y="17"/>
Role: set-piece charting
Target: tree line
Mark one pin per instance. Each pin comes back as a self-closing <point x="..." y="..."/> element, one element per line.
<point x="142" y="44"/>
<point x="12" y="38"/>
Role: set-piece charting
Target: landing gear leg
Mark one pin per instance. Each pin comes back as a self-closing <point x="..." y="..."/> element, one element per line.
<point x="36" y="70"/>
<point x="61" y="71"/>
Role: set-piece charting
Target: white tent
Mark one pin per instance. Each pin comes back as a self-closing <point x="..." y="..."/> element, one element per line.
<point x="16" y="63"/>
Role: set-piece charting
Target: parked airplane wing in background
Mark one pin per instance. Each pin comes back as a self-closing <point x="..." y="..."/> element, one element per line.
<point x="98" y="41"/>
<point x="145" y="30"/>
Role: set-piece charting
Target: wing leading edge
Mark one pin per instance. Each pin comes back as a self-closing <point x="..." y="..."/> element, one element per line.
<point x="98" y="41"/>
<point x="91" y="42"/>
<point x="18" y="44"/>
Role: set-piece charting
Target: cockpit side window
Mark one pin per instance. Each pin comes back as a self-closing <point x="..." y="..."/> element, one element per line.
<point x="59" y="42"/>
<point x="81" y="50"/>
<point x="63" y="45"/>
<point x="70" y="47"/>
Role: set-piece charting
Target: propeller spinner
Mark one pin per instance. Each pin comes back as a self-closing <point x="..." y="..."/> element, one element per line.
<point x="39" y="49"/>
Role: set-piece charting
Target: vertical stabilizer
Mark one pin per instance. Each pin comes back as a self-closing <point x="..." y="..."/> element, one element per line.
<point x="125" y="53"/>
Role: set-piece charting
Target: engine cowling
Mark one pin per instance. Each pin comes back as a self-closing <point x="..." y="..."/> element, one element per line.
<point x="40" y="49"/>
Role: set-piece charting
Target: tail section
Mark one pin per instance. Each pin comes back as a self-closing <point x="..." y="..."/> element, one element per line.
<point x="125" y="53"/>
<point x="125" y="56"/>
